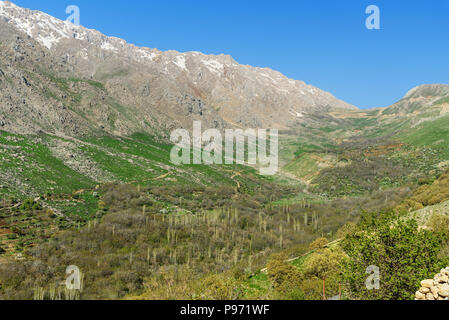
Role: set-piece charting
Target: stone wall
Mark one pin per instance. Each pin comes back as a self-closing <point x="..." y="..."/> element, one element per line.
<point x="436" y="288"/>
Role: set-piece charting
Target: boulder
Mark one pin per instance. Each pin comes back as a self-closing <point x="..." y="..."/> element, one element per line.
<point x="424" y="290"/>
<point x="420" y="296"/>
<point x="429" y="296"/>
<point x="434" y="291"/>
<point x="441" y="278"/>
<point x="444" y="290"/>
<point x="436" y="288"/>
<point x="427" y="283"/>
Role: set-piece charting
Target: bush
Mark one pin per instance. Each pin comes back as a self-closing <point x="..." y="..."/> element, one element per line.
<point x="348" y="228"/>
<point x="312" y="289"/>
<point x="27" y="205"/>
<point x="284" y="276"/>
<point x="404" y="254"/>
<point x="219" y="287"/>
<point x="427" y="195"/>
<point x="439" y="224"/>
<point x="323" y="263"/>
<point x="318" y="244"/>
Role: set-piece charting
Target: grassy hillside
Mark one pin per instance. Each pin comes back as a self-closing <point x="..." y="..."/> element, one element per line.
<point x="116" y="207"/>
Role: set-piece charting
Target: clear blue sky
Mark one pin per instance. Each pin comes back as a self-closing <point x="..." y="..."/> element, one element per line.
<point x="322" y="42"/>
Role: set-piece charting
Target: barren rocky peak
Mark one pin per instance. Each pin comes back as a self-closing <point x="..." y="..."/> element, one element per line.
<point x="170" y="87"/>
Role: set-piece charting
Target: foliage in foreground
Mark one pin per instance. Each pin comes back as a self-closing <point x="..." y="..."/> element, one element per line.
<point x="404" y="253"/>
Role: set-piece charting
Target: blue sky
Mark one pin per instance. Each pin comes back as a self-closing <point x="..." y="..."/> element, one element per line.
<point x="322" y="42"/>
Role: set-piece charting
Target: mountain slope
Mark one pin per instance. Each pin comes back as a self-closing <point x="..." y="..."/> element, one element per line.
<point x="359" y="151"/>
<point x="72" y="86"/>
<point x="157" y="89"/>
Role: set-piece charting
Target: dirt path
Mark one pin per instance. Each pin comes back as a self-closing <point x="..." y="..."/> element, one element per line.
<point x="162" y="176"/>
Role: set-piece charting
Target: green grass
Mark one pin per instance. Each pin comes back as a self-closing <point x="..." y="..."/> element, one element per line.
<point x="83" y="208"/>
<point x="429" y="133"/>
<point x="442" y="101"/>
<point x="302" y="166"/>
<point x="257" y="286"/>
<point x="34" y="164"/>
<point x="137" y="159"/>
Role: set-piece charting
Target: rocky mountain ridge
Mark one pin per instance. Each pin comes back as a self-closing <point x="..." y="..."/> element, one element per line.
<point x="142" y="88"/>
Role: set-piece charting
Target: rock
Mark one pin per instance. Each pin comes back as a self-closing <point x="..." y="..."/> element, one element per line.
<point x="424" y="290"/>
<point x="442" y="278"/>
<point x="427" y="283"/>
<point x="434" y="291"/>
<point x="429" y="296"/>
<point x="420" y="296"/>
<point x="444" y="290"/>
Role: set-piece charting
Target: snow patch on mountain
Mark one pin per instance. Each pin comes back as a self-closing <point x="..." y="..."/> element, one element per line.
<point x="214" y="66"/>
<point x="180" y="61"/>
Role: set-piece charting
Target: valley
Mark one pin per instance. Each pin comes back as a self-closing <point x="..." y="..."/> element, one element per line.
<point x="86" y="177"/>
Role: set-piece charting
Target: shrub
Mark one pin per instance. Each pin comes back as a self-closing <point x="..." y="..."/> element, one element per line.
<point x="439" y="224"/>
<point x="284" y="276"/>
<point x="27" y="205"/>
<point x="347" y="228"/>
<point x="219" y="287"/>
<point x="318" y="244"/>
<point x="323" y="263"/>
<point x="404" y="254"/>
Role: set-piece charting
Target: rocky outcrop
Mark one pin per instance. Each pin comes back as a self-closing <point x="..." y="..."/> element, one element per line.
<point x="436" y="288"/>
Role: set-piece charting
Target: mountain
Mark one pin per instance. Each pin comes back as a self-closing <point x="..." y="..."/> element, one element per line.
<point x="422" y="99"/>
<point x="86" y="178"/>
<point x="74" y="86"/>
<point x="78" y="81"/>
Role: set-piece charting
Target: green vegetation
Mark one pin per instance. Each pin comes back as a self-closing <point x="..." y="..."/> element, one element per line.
<point x="442" y="101"/>
<point x="427" y="195"/>
<point x="143" y="237"/>
<point x="404" y="255"/>
<point x="355" y="190"/>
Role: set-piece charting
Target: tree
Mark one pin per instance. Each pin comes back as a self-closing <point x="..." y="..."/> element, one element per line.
<point x="318" y="243"/>
<point x="323" y="263"/>
<point x="284" y="276"/>
<point x="346" y="229"/>
<point x="404" y="254"/>
<point x="323" y="267"/>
